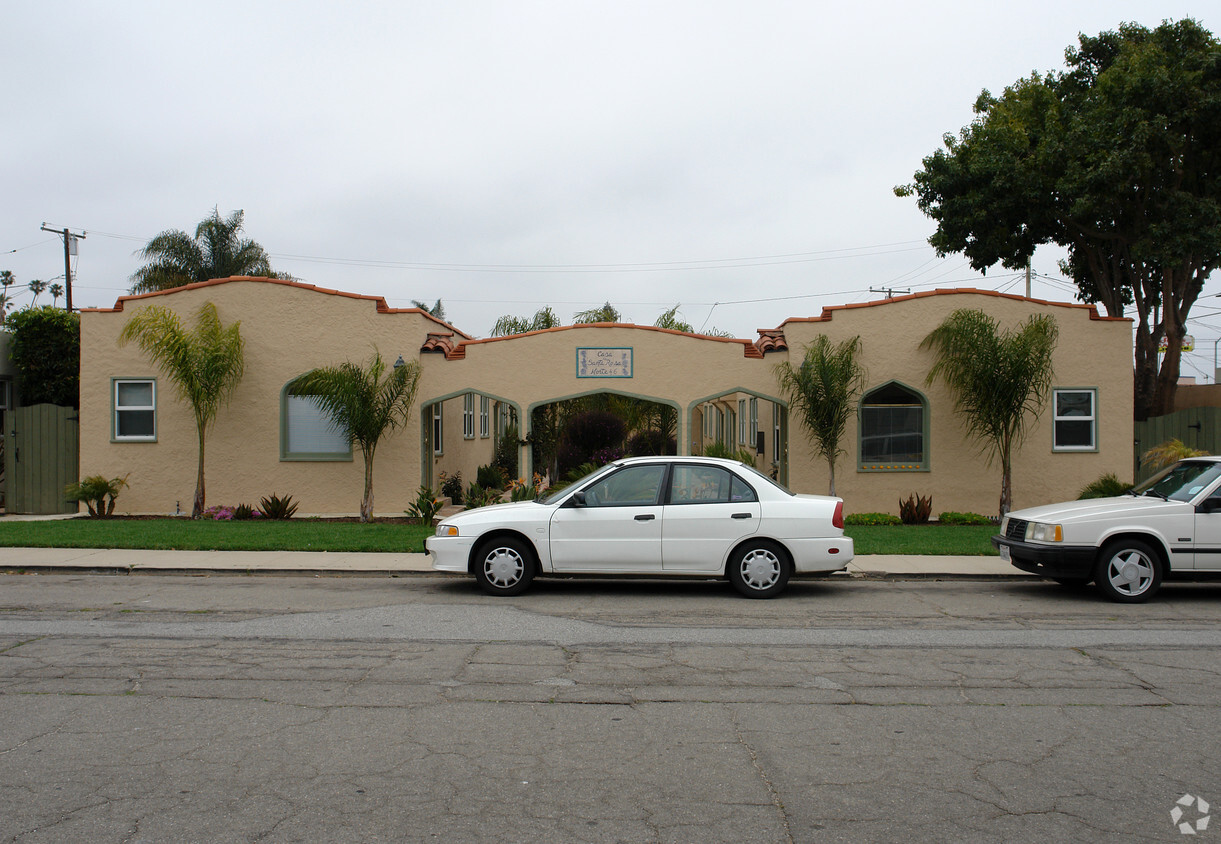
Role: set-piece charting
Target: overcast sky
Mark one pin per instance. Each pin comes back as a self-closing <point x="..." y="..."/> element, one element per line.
<point x="737" y="158"/>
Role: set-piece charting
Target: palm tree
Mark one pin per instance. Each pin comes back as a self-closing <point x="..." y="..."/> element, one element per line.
<point x="204" y="363"/>
<point x="7" y="280"/>
<point x="36" y="287"/>
<point x="437" y="310"/>
<point x="175" y="258"/>
<point x="57" y="290"/>
<point x="606" y="313"/>
<point x="823" y="390"/>
<point x="999" y="380"/>
<point x="670" y="320"/>
<point x="364" y="403"/>
<point x="543" y="318"/>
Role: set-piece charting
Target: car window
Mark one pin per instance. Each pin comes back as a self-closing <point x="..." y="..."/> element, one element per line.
<point x="695" y="484"/>
<point x="634" y="486"/>
<point x="1182" y="481"/>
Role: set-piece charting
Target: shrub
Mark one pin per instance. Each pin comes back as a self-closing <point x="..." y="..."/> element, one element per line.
<point x="243" y="513"/>
<point x="589" y="433"/>
<point x="477" y="496"/>
<point x="275" y="507"/>
<point x="505" y="457"/>
<point x="425" y="507"/>
<point x="1171" y="451"/>
<point x="871" y="519"/>
<point x="915" y="510"/>
<point x="578" y="472"/>
<point x="97" y="492"/>
<point x="491" y="477"/>
<point x="451" y="486"/>
<point x="45" y="348"/>
<point x="218" y="513"/>
<point x="522" y="491"/>
<point x="650" y="443"/>
<point x="720" y="449"/>
<point x="1108" y="486"/>
<point x="951" y="518"/>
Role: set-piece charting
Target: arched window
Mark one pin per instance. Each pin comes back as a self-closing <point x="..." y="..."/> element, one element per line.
<point x="893" y="430"/>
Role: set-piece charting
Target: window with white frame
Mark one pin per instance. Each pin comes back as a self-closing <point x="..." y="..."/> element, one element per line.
<point x="308" y="432"/>
<point x="438" y="427"/>
<point x="484" y="417"/>
<point x="1076" y="417"/>
<point x="468" y="416"/>
<point x="135" y="410"/>
<point x="754" y="422"/>
<point x="741" y="421"/>
<point x="775" y="431"/>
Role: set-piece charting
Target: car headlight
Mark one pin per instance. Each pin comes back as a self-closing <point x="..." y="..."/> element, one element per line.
<point x="1038" y="532"/>
<point x="447" y="530"/>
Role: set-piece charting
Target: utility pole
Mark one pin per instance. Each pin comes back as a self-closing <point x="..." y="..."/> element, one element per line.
<point x="1027" y="278"/>
<point x="69" y="247"/>
<point x="890" y="292"/>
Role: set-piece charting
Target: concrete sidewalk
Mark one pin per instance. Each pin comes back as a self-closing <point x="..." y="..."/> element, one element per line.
<point x="332" y="562"/>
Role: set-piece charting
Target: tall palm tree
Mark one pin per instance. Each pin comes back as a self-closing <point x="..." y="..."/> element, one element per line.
<point x="365" y="404"/>
<point x="543" y="318"/>
<point x="56" y="291"/>
<point x="36" y="287"/>
<point x="999" y="380"/>
<point x="7" y="280"/>
<point x="217" y="251"/>
<point x="204" y="363"/>
<point x="823" y="390"/>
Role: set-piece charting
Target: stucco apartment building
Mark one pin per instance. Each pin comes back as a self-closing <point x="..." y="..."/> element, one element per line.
<point x="905" y="438"/>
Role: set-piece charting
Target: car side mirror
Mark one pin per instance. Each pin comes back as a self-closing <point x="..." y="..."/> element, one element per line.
<point x="1209" y="505"/>
<point x="578" y="498"/>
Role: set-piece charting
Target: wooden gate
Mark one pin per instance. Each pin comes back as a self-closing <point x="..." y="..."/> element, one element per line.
<point x="1197" y="427"/>
<point x="41" y="458"/>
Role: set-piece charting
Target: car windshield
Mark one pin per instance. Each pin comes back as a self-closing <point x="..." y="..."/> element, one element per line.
<point x="1181" y="482"/>
<point x="560" y="493"/>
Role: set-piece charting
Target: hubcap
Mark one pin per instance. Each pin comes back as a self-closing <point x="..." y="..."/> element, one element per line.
<point x="760" y="568"/>
<point x="504" y="567"/>
<point x="1130" y="573"/>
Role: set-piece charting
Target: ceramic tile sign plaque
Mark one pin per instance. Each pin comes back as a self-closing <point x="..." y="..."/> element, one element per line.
<point x="604" y="363"/>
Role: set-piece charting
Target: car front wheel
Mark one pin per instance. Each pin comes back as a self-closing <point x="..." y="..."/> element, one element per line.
<point x="1129" y="571"/>
<point x="760" y="570"/>
<point x="504" y="566"/>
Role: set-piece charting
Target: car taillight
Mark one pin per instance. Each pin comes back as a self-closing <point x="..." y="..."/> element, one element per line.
<point x="838" y="519"/>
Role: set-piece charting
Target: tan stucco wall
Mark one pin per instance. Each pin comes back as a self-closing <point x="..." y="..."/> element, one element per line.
<point x="1090" y="353"/>
<point x="290" y="329"/>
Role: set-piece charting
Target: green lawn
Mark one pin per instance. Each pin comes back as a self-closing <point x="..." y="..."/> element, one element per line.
<point x="316" y="535"/>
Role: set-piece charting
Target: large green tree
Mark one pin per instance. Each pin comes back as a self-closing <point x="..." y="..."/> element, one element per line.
<point x="823" y="389"/>
<point x="366" y="403"/>
<point x="204" y="363"/>
<point x="1117" y="159"/>
<point x="46" y="349"/>
<point x="999" y="380"/>
<point x="216" y="251"/>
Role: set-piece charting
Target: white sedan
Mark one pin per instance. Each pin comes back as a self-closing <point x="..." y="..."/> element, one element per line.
<point x="671" y="516"/>
<point x="1170" y="525"/>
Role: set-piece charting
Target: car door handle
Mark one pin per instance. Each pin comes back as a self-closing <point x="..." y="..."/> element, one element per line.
<point x="740" y="516"/>
<point x="645" y="517"/>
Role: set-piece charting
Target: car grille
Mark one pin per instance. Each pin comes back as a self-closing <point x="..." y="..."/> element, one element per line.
<point x="1016" y="529"/>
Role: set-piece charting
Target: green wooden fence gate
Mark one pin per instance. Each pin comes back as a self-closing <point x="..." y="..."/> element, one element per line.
<point x="40" y="458"/>
<point x="1197" y="427"/>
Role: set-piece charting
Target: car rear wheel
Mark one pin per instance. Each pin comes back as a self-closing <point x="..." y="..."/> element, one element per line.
<point x="1129" y="571"/>
<point x="760" y="569"/>
<point x="504" y="566"/>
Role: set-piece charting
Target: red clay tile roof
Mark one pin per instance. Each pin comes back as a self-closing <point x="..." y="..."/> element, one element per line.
<point x="829" y="312"/>
<point x="379" y="302"/>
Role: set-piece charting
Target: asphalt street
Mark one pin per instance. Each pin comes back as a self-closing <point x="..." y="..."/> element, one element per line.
<point x="230" y="708"/>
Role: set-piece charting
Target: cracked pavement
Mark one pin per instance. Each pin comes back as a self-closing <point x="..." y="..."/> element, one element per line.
<point x="155" y="708"/>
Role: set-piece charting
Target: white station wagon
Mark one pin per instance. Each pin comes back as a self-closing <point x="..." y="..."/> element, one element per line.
<point x="670" y="516"/>
<point x="1170" y="525"/>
